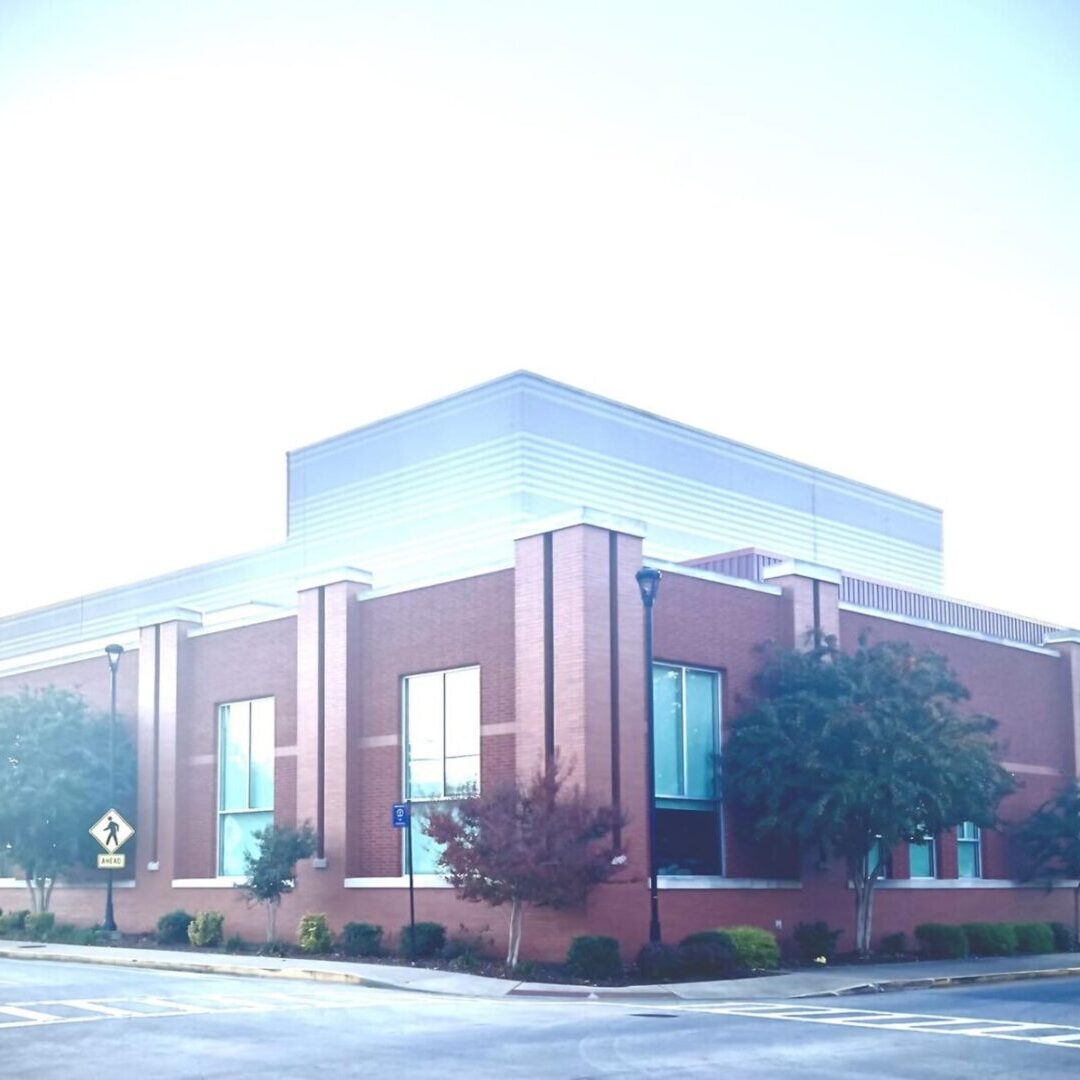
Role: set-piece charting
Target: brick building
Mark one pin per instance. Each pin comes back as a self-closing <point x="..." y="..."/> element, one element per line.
<point x="457" y="594"/>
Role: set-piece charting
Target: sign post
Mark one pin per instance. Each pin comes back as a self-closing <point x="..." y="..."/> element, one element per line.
<point x="402" y="816"/>
<point x="112" y="832"/>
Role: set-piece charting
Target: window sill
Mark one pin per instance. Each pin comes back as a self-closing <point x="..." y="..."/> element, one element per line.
<point x="208" y="883"/>
<point x="421" y="881"/>
<point x="19" y="883"/>
<point x="968" y="883"/>
<point x="690" y="881"/>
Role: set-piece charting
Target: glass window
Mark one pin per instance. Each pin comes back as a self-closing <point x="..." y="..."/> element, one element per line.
<point x="686" y="739"/>
<point x="875" y="857"/>
<point x="442" y="734"/>
<point x="442" y="758"/>
<point x="921" y="857"/>
<point x="968" y="850"/>
<point x="246" y="779"/>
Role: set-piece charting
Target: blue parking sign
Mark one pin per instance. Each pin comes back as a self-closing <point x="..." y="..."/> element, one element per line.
<point x="400" y="815"/>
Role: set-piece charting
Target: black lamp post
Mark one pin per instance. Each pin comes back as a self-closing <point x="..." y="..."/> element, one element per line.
<point x="648" y="581"/>
<point x="113" y="652"/>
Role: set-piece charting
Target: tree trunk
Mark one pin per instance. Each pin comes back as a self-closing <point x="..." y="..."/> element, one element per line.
<point x="517" y="914"/>
<point x="30" y="890"/>
<point x="1076" y="914"/>
<point x="271" y="919"/>
<point x="863" y="882"/>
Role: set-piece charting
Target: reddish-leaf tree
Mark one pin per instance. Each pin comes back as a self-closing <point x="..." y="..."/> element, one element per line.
<point x="534" y="844"/>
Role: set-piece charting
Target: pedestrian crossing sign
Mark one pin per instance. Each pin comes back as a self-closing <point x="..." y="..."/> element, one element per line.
<point x="112" y="832"/>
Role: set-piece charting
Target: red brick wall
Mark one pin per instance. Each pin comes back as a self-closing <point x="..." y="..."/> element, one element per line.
<point x="457" y="624"/>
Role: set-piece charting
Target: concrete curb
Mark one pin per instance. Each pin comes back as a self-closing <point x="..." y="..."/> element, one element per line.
<point x="202" y="968"/>
<point x="940" y="982"/>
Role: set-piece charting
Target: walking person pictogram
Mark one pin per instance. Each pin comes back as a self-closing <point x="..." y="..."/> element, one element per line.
<point x="111" y="831"/>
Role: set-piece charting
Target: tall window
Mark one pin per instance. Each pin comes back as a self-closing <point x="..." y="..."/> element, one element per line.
<point x="442" y="738"/>
<point x="686" y="739"/>
<point x="968" y="850"/>
<point x="922" y="859"/>
<point x="245" y="780"/>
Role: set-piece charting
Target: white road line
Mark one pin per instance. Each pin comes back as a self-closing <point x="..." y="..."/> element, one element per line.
<point x="29" y="1014"/>
<point x="97" y="1007"/>
<point x="1063" y="1035"/>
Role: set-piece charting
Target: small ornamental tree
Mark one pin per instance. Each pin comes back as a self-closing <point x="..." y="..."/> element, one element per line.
<point x="850" y="754"/>
<point x="271" y="870"/>
<point x="534" y="844"/>
<point x="54" y="783"/>
<point x="1051" y="838"/>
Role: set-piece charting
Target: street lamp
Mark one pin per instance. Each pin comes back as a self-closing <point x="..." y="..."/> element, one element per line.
<point x="648" y="581"/>
<point x="113" y="652"/>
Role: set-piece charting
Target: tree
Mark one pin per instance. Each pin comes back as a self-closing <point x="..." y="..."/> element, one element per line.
<point x="271" y="870"/>
<point x="520" y="845"/>
<point x="54" y="783"/>
<point x="1051" y="838"/>
<point x="851" y="754"/>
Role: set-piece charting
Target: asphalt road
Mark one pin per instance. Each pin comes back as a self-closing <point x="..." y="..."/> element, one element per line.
<point x="76" y="1021"/>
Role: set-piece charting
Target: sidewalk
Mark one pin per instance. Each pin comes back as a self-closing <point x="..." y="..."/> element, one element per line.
<point x="804" y="982"/>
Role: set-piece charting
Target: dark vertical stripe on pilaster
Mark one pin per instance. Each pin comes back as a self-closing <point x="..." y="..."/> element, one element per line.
<point x="156" y="755"/>
<point x="320" y="785"/>
<point x="613" y="661"/>
<point x="817" y="609"/>
<point x="549" y="652"/>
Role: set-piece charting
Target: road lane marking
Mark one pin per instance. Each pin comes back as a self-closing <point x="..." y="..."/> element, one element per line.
<point x="29" y="1014"/>
<point x="1063" y="1035"/>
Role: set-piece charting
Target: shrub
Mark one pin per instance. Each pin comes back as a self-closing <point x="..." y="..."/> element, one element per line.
<point x="205" y="929"/>
<point x="594" y="957"/>
<point x="939" y="941"/>
<point x="236" y="944"/>
<point x="172" y="929"/>
<point x="423" y="940"/>
<point x="754" y="947"/>
<point x="1064" y="938"/>
<point x="464" y="951"/>
<point x="815" y="939"/>
<point x="314" y="934"/>
<point x="64" y="933"/>
<point x="894" y="944"/>
<point x="661" y="963"/>
<point x="1034" y="937"/>
<point x="40" y="925"/>
<point x="990" y="939"/>
<point x="274" y="947"/>
<point x="361" y="939"/>
<point x="710" y="954"/>
<point x="14" y="922"/>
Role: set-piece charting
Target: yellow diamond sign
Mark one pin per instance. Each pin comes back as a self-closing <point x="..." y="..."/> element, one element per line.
<point x="112" y="832"/>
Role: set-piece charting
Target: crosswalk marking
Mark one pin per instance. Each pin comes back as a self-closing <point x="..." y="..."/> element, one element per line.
<point x="1063" y="1035"/>
<point x="27" y="1014"/>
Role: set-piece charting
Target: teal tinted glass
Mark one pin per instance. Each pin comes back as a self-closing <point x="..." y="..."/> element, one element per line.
<point x="702" y="700"/>
<point x="235" y="734"/>
<point x="261" y="796"/>
<point x="237" y="839"/>
<point x="921" y="855"/>
<point x="668" y="730"/>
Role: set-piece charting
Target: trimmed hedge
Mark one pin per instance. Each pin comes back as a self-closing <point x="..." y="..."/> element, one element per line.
<point x="710" y="954"/>
<point x="661" y="963"/>
<point x="426" y="941"/>
<point x="594" y="957"/>
<point x="940" y="941"/>
<point x="172" y="928"/>
<point x="991" y="939"/>
<point x="361" y="939"/>
<point x="1064" y="938"/>
<point x="1034" y="937"/>
<point x="754" y="948"/>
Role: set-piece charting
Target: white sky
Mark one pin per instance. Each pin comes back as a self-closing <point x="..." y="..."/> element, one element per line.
<point x="844" y="232"/>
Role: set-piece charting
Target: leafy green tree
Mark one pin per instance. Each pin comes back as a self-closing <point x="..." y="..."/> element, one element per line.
<point x="526" y="844"/>
<point x="54" y="783"/>
<point x="271" y="869"/>
<point x="1051" y="838"/>
<point x="849" y="754"/>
